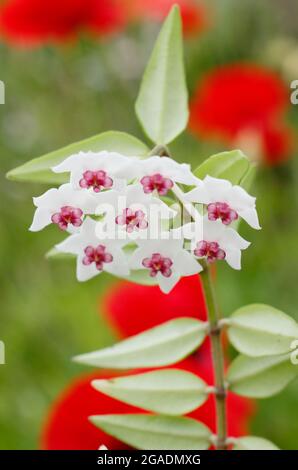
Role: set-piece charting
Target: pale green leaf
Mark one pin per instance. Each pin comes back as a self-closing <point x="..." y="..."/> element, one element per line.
<point x="232" y="166"/>
<point x="160" y="346"/>
<point x="162" y="102"/>
<point x="159" y="432"/>
<point x="167" y="391"/>
<point x="247" y="180"/>
<point x="261" y="377"/>
<point x="260" y="330"/>
<point x="254" y="443"/>
<point x="39" y="169"/>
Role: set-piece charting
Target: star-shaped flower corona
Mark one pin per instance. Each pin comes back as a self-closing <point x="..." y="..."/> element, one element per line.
<point x="98" y="170"/>
<point x="64" y="207"/>
<point x="165" y="259"/>
<point x="216" y="242"/>
<point x="160" y="173"/>
<point x="93" y="254"/>
<point x="224" y="201"/>
<point x="133" y="211"/>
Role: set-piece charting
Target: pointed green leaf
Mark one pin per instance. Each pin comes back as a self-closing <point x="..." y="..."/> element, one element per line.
<point x="254" y="443"/>
<point x="260" y="330"/>
<point x="162" y="102"/>
<point x="149" y="432"/>
<point x="160" y="346"/>
<point x="39" y="169"/>
<point x="261" y="377"/>
<point x="167" y="391"/>
<point x="232" y="166"/>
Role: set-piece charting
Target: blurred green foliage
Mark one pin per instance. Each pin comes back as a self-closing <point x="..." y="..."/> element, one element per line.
<point x="58" y="95"/>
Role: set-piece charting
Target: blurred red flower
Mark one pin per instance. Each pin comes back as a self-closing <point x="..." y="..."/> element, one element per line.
<point x="29" y="22"/>
<point x="130" y="309"/>
<point x="244" y="105"/>
<point x="193" y="12"/>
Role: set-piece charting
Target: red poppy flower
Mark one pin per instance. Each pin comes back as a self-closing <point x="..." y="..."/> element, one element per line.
<point x="133" y="308"/>
<point x="244" y="105"/>
<point x="31" y="22"/>
<point x="67" y="426"/>
<point x="193" y="13"/>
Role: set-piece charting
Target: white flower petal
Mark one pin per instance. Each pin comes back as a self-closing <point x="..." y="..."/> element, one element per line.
<point x="119" y="265"/>
<point x="251" y="217"/>
<point x="166" y="284"/>
<point x="231" y="238"/>
<point x="217" y="188"/>
<point x="233" y="258"/>
<point x="168" y="168"/>
<point x="186" y="264"/>
<point x="198" y="194"/>
<point x="72" y="244"/>
<point x="240" y="198"/>
<point x="41" y="218"/>
<point x="48" y="199"/>
<point x="86" y="272"/>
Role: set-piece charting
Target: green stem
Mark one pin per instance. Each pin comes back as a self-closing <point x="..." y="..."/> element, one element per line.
<point x="217" y="358"/>
<point x="160" y="150"/>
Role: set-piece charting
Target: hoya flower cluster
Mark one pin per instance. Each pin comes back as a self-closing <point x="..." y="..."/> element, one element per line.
<point x="116" y="211"/>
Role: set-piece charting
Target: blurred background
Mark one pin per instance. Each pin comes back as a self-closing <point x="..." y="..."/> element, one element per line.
<point x="72" y="69"/>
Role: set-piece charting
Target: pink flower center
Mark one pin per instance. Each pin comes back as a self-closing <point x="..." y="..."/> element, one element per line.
<point x="132" y="220"/>
<point x="158" y="264"/>
<point x="209" y="250"/>
<point x="158" y="182"/>
<point x="67" y="215"/>
<point x="97" y="255"/>
<point x="97" y="180"/>
<point x="221" y="210"/>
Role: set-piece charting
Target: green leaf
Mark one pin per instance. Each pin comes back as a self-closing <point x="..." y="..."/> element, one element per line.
<point x="232" y="166"/>
<point x="168" y="391"/>
<point x="260" y="330"/>
<point x="39" y="169"/>
<point x="162" y="102"/>
<point x="160" y="346"/>
<point x="254" y="443"/>
<point x="247" y="180"/>
<point x="155" y="432"/>
<point x="261" y="377"/>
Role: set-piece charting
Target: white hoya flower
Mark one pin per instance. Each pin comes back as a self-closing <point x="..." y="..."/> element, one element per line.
<point x="94" y="255"/>
<point x="160" y="173"/>
<point x="132" y="211"/>
<point x="216" y="242"/>
<point x="165" y="259"/>
<point x="62" y="206"/>
<point x="224" y="201"/>
<point x="98" y="170"/>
